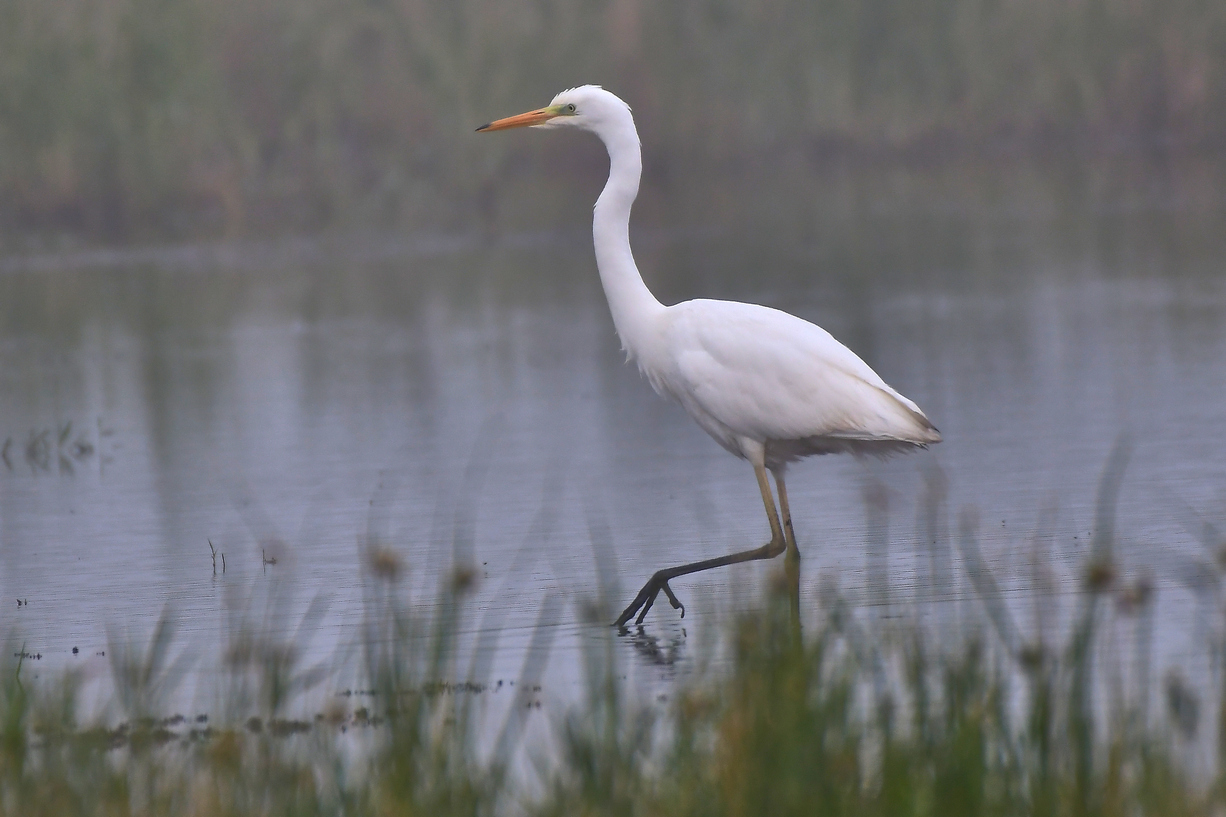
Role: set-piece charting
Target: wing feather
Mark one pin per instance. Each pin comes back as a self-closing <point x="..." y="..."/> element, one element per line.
<point x="752" y="371"/>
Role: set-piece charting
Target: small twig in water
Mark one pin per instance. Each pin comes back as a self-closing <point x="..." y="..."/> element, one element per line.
<point x="21" y="659"/>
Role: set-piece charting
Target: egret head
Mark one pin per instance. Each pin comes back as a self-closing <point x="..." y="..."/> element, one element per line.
<point x="589" y="107"/>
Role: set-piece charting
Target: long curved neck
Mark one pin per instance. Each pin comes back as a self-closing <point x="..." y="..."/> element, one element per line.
<point x="631" y="302"/>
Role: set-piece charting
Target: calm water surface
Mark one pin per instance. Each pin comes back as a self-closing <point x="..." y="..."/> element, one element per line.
<point x="303" y="400"/>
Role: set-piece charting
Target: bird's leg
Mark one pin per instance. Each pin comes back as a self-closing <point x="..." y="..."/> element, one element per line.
<point x="791" y="562"/>
<point x="785" y="512"/>
<point x="647" y="596"/>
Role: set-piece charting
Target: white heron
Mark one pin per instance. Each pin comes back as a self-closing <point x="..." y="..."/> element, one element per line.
<point x="771" y="388"/>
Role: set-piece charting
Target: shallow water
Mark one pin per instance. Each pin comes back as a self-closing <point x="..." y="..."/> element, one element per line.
<point x="465" y="395"/>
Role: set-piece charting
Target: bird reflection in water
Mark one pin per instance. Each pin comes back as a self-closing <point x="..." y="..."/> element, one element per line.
<point x="656" y="650"/>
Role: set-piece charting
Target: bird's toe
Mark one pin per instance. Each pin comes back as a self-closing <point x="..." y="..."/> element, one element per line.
<point x="672" y="599"/>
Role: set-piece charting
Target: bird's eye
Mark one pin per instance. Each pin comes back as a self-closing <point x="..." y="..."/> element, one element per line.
<point x="570" y="108"/>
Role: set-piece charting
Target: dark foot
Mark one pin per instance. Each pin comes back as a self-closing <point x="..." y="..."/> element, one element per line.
<point x="658" y="582"/>
<point x="647" y="597"/>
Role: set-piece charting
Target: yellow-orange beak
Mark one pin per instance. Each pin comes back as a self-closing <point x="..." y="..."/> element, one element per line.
<point x="523" y="120"/>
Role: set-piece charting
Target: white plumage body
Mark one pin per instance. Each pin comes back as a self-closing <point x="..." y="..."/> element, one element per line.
<point x="745" y="372"/>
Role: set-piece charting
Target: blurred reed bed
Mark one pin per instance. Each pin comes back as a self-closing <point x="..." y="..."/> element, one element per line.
<point x="860" y="715"/>
<point x="139" y="118"/>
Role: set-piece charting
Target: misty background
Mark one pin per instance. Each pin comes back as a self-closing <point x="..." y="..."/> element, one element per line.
<point x="185" y="119"/>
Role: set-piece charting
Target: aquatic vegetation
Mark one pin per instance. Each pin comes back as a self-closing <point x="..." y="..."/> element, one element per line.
<point x="856" y="715"/>
<point x="845" y="721"/>
<point x="849" y="719"/>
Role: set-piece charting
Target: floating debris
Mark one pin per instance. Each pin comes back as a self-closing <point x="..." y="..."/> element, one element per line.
<point x="284" y="728"/>
<point x="51" y="445"/>
<point x="349" y="693"/>
<point x="38" y="450"/>
<point x="452" y="688"/>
